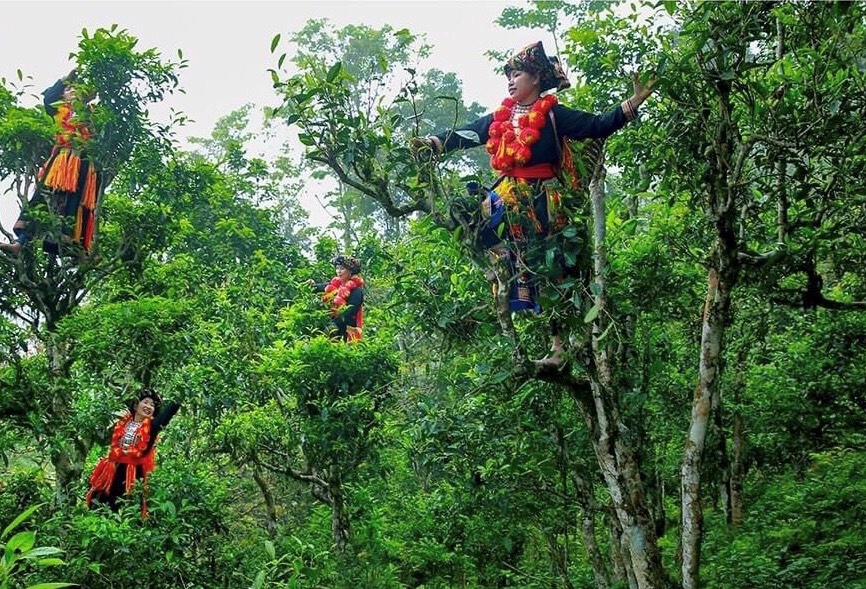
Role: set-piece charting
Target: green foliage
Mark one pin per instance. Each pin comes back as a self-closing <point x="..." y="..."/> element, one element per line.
<point x="20" y="550"/>
<point x="126" y="80"/>
<point x="25" y="140"/>
<point x="803" y="530"/>
<point x="350" y="108"/>
<point x="140" y="334"/>
<point x="800" y="403"/>
<point x="449" y="469"/>
<point x="438" y="290"/>
<point x="185" y="538"/>
<point x="339" y="391"/>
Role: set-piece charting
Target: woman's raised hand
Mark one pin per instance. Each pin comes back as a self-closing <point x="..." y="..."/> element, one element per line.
<point x="641" y="90"/>
<point x="423" y="148"/>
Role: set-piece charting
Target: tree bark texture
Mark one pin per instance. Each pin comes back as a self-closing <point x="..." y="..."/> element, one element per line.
<point x="714" y="322"/>
<point x="617" y="558"/>
<point x="67" y="458"/>
<point x="270" y="504"/>
<point x="339" y="514"/>
<point x="725" y="157"/>
<point x="611" y="440"/>
<point x="720" y="447"/>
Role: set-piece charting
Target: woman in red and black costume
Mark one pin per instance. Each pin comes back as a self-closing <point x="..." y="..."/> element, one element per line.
<point x="68" y="181"/>
<point x="132" y="451"/>
<point x="524" y="138"/>
<point x="344" y="295"/>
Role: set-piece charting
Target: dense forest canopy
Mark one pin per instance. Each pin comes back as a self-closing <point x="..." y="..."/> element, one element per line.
<point x="707" y="430"/>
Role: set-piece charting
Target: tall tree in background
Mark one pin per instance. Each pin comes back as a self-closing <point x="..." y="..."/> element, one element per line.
<point x="371" y="69"/>
<point x="269" y="181"/>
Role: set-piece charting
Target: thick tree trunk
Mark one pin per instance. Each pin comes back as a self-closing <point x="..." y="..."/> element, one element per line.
<point x="690" y="475"/>
<point x="622" y="478"/>
<point x="617" y="558"/>
<point x="714" y="323"/>
<point x="68" y="465"/>
<point x="67" y="458"/>
<point x="723" y="188"/>
<point x="611" y="439"/>
<point x="339" y="515"/>
<point x="270" y="504"/>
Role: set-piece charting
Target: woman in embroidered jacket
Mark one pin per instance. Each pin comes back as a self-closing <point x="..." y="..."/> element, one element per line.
<point x="131" y="454"/>
<point x="524" y="137"/>
<point x="68" y="180"/>
<point x="344" y="295"/>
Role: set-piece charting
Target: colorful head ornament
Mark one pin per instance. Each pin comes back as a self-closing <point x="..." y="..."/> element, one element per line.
<point x="350" y="263"/>
<point x="533" y="60"/>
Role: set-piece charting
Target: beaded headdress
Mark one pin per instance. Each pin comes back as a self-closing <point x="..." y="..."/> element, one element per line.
<point x="350" y="263"/>
<point x="533" y="60"/>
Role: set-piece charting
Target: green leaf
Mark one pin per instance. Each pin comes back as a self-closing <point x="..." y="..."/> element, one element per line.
<point x="18" y="545"/>
<point x="15" y="522"/>
<point x="51" y="585"/>
<point x="591" y="314"/>
<point x="334" y="71"/>
<point x="274" y="42"/>
<point x="43" y="551"/>
<point x="260" y="580"/>
<point x="605" y="332"/>
<point x="269" y="548"/>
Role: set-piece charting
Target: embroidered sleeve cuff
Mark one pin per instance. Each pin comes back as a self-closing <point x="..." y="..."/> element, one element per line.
<point x="629" y="110"/>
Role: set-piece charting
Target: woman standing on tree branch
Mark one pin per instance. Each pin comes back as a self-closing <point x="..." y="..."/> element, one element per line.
<point x="524" y="138"/>
<point x="67" y="183"/>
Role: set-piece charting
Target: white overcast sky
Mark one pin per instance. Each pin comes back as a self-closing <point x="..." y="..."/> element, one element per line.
<point x="227" y="44"/>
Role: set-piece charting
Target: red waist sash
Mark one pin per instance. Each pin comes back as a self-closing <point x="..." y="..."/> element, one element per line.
<point x="538" y="171"/>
